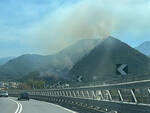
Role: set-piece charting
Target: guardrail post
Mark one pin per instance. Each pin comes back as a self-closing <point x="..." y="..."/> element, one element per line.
<point x="120" y="95"/>
<point x="109" y="94"/>
<point x="61" y="93"/>
<point x="93" y="93"/>
<point x="134" y="97"/>
<point x="70" y="94"/>
<point x="78" y="94"/>
<point x="82" y="94"/>
<point x="148" y="95"/>
<point x="87" y="92"/>
<point x="102" y="98"/>
<point x="74" y="94"/>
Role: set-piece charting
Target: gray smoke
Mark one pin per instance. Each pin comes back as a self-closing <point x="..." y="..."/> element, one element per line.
<point x="90" y="19"/>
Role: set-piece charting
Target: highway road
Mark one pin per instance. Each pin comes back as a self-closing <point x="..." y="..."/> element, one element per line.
<point x="12" y="105"/>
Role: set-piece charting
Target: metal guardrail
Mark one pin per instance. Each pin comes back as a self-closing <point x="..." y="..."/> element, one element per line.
<point x="128" y="97"/>
<point x="122" y="79"/>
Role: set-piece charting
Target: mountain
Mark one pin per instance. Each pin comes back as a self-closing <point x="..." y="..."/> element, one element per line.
<point x="144" y="48"/>
<point x="22" y="65"/>
<point x="78" y="50"/>
<point x="48" y="65"/>
<point x="100" y="63"/>
<point x="62" y="62"/>
<point x="4" y="60"/>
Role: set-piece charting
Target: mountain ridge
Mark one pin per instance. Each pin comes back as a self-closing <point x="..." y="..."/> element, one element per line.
<point x="5" y="59"/>
<point x="144" y="48"/>
<point x="50" y="64"/>
<point x="100" y="64"/>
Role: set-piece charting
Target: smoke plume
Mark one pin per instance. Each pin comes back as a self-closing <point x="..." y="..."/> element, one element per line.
<point x="89" y="19"/>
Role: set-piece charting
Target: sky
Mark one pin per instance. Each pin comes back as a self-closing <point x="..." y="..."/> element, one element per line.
<point x="47" y="26"/>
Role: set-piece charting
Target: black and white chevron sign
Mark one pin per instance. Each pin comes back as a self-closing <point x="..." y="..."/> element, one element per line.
<point x="121" y="69"/>
<point x="80" y="78"/>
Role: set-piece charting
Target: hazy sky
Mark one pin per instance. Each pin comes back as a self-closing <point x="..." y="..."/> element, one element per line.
<point x="47" y="26"/>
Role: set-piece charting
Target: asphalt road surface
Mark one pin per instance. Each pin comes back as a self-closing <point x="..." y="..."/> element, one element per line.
<point x="12" y="105"/>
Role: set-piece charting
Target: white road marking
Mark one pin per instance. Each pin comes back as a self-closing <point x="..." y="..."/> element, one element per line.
<point x="19" y="108"/>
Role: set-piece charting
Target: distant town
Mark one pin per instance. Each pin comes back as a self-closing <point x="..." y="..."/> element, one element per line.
<point x="9" y="85"/>
<point x="30" y="85"/>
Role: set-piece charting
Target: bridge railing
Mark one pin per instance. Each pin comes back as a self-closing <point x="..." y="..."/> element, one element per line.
<point x="129" y="97"/>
